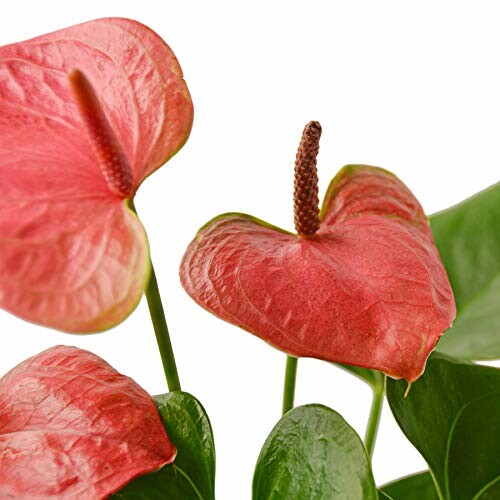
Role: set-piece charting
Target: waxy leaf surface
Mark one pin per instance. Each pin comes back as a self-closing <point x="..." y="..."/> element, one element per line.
<point x="468" y="238"/>
<point x="418" y="486"/>
<point x="72" y="427"/>
<point x="313" y="453"/>
<point x="368" y="289"/>
<point x="192" y="475"/>
<point x="72" y="254"/>
<point x="451" y="416"/>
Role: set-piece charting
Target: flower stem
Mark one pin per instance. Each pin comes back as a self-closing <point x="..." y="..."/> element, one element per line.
<point x="161" y="331"/>
<point x="289" y="387"/>
<point x="374" y="418"/>
<point x="159" y="321"/>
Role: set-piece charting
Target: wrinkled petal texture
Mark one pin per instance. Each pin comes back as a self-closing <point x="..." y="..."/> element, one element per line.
<point x="72" y="255"/>
<point x="368" y="289"/>
<point x="72" y="427"/>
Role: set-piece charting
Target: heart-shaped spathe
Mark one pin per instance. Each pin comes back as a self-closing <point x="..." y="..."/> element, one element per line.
<point x="368" y="289"/>
<point x="73" y="256"/>
<point x="72" y="427"/>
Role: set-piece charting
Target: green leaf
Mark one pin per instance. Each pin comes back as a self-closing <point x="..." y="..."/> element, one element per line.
<point x="192" y="475"/>
<point x="189" y="429"/>
<point x="451" y="415"/>
<point x="168" y="482"/>
<point x="468" y="238"/>
<point x="313" y="453"/>
<point x="418" y="486"/>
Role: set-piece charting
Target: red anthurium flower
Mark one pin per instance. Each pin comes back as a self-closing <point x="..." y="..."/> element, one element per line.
<point x="362" y="284"/>
<point x="72" y="427"/>
<point x="86" y="113"/>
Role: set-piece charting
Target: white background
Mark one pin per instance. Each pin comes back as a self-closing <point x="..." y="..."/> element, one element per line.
<point x="413" y="87"/>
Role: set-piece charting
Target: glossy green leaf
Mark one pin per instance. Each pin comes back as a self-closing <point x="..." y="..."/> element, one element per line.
<point x="468" y="238"/>
<point x="192" y="475"/>
<point x="313" y="453"/>
<point x="168" y="482"/>
<point x="452" y="416"/>
<point x="418" y="486"/>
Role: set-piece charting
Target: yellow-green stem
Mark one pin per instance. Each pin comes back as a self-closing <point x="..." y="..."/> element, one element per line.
<point x="374" y="418"/>
<point x="159" y="321"/>
<point x="289" y="387"/>
<point x="161" y="331"/>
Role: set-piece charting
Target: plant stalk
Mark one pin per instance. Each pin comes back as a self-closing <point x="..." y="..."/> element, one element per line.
<point x="374" y="418"/>
<point x="289" y="386"/>
<point x="159" y="321"/>
<point x="161" y="331"/>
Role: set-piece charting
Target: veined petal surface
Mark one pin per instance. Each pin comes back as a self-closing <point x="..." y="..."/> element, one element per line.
<point x="368" y="289"/>
<point x="72" y="427"/>
<point x="79" y="266"/>
<point x="137" y="79"/>
<point x="72" y="255"/>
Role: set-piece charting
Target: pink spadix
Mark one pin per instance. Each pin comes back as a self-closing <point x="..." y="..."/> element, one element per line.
<point x="305" y="195"/>
<point x="108" y="151"/>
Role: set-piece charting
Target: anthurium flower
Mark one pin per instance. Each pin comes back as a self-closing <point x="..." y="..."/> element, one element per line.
<point x="362" y="283"/>
<point x="72" y="427"/>
<point x="86" y="113"/>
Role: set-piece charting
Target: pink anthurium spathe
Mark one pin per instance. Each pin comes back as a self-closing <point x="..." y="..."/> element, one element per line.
<point x="86" y="113"/>
<point x="362" y="284"/>
<point x="72" y="427"/>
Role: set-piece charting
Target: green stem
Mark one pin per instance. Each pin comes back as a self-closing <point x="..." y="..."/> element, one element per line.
<point x="161" y="331"/>
<point x="157" y="314"/>
<point x="289" y="388"/>
<point x="374" y="418"/>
